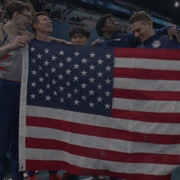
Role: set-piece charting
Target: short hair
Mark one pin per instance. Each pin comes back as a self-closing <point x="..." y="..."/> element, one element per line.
<point x="101" y="22"/>
<point x="19" y="6"/>
<point x="139" y="16"/>
<point x="35" y="19"/>
<point x="79" y="30"/>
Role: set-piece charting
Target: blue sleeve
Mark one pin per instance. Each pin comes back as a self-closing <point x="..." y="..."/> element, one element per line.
<point x="175" y="44"/>
<point x="101" y="44"/>
<point x="128" y="40"/>
<point x="163" y="30"/>
<point x="134" y="41"/>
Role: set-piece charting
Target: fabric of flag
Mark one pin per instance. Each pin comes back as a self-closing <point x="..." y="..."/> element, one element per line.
<point x="100" y="111"/>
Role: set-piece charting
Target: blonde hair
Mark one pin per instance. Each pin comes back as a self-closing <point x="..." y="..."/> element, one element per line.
<point x="140" y="16"/>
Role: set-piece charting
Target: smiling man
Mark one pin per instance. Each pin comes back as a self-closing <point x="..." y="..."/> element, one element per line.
<point x="142" y="27"/>
<point x="108" y="28"/>
<point x="42" y="26"/>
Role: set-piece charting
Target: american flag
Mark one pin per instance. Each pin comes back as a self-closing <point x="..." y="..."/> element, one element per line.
<point x="100" y="111"/>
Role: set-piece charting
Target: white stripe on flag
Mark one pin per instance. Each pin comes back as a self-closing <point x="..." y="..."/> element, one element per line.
<point x="102" y="121"/>
<point x="140" y="84"/>
<point x="91" y="163"/>
<point x="147" y="63"/>
<point x="100" y="142"/>
<point x="146" y="106"/>
<point x="23" y="108"/>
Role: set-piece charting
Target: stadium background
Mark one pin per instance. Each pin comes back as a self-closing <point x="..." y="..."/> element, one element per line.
<point x="68" y="13"/>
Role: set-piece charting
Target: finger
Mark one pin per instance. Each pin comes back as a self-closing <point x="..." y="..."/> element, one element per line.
<point x="171" y="36"/>
<point x="178" y="38"/>
<point x="26" y="38"/>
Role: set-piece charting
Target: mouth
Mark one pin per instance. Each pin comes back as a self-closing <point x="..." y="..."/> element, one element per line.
<point x="140" y="38"/>
<point x="49" y="25"/>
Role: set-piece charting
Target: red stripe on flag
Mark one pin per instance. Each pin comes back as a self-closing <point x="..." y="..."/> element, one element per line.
<point x="142" y="116"/>
<point x="102" y="131"/>
<point x="146" y="74"/>
<point x="159" y="54"/>
<point x="102" y="154"/>
<point x="44" y="165"/>
<point x="146" y="95"/>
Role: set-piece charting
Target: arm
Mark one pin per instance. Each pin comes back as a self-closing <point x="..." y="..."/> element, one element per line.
<point x="18" y="42"/>
<point x="171" y="31"/>
<point x="53" y="39"/>
<point x="57" y="40"/>
<point x="97" y="41"/>
<point x="129" y="40"/>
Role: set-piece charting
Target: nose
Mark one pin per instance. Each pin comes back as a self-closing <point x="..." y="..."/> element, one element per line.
<point x="136" y="34"/>
<point x="78" y="39"/>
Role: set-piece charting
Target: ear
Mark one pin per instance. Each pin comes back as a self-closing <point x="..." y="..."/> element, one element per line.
<point x="35" y="26"/>
<point x="150" y="23"/>
<point x="16" y="14"/>
<point x="103" y="29"/>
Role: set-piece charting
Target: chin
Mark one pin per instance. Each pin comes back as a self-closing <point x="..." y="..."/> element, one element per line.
<point x="22" y="28"/>
<point x="141" y="40"/>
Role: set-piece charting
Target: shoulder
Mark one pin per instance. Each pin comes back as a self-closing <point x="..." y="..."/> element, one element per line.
<point x="2" y="36"/>
<point x="163" y="41"/>
<point x="28" y="34"/>
<point x="126" y="35"/>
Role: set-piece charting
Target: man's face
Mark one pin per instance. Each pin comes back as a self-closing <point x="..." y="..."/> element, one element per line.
<point x="111" y="26"/>
<point x="142" y="30"/>
<point x="79" y="39"/>
<point x="23" y="19"/>
<point x="44" y="24"/>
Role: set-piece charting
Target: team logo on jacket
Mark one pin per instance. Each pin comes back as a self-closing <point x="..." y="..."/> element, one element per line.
<point x="156" y="44"/>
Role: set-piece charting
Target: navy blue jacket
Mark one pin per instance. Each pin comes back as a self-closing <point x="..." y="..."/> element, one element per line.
<point x="160" y="41"/>
<point x="127" y="40"/>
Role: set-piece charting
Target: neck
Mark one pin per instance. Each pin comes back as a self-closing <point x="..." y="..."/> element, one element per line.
<point x="108" y="36"/>
<point x="42" y="37"/>
<point x="152" y="33"/>
<point x="11" y="28"/>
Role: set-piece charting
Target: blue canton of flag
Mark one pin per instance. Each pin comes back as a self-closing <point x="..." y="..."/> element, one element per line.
<point x="70" y="77"/>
